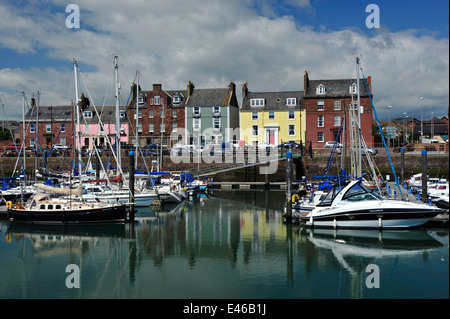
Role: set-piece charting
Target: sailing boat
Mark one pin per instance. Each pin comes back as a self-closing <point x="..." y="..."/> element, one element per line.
<point x="51" y="207"/>
<point x="353" y="205"/>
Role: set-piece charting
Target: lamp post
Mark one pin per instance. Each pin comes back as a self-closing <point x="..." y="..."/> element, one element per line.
<point x="389" y="124"/>
<point x="404" y="129"/>
<point x="421" y="118"/>
<point x="432" y="126"/>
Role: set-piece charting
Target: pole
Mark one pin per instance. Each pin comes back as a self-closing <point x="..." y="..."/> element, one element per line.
<point x="137" y="116"/>
<point x="402" y="162"/>
<point x="359" y="120"/>
<point x="77" y="107"/>
<point x="116" y="71"/>
<point x="424" y="177"/>
<point x="288" y="186"/>
<point x="131" y="186"/>
<point x="23" y="136"/>
<point x="421" y="118"/>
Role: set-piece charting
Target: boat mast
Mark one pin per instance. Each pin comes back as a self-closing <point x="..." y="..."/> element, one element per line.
<point x="359" y="120"/>
<point x="116" y="70"/>
<point x="75" y="69"/>
<point x="23" y="136"/>
<point x="137" y="120"/>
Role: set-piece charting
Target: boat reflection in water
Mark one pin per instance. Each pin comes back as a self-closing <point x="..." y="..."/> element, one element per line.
<point x="356" y="251"/>
<point x="215" y="247"/>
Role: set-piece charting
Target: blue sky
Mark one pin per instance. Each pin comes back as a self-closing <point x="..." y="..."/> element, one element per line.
<point x="268" y="44"/>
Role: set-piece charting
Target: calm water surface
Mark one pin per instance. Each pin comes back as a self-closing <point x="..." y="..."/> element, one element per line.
<point x="228" y="245"/>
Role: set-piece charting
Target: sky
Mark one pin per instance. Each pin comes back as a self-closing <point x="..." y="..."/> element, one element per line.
<point x="266" y="43"/>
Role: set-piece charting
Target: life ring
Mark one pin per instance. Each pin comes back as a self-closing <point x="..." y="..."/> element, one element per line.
<point x="295" y="198"/>
<point x="9" y="204"/>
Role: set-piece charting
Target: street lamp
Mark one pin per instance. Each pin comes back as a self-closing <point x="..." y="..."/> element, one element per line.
<point x="432" y="127"/>
<point x="389" y="124"/>
<point x="404" y="128"/>
<point x="421" y="118"/>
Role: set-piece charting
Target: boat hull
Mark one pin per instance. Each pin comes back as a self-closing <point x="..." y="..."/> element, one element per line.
<point x="115" y="214"/>
<point x="395" y="219"/>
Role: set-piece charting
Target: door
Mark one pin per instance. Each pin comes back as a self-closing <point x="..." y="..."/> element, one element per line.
<point x="271" y="137"/>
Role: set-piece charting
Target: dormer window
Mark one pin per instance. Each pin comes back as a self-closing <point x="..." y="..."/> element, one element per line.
<point x="257" y="102"/>
<point x="320" y="89"/>
<point x="176" y="99"/>
<point x="353" y="89"/>
<point x="87" y="114"/>
<point x="291" y="101"/>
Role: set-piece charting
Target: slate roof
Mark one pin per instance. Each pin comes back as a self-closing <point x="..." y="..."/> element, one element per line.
<point x="334" y="88"/>
<point x="209" y="97"/>
<point x="183" y="95"/>
<point x="275" y="101"/>
<point x="61" y="113"/>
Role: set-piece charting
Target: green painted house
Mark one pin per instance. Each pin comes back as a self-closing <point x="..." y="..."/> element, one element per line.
<point x="211" y="115"/>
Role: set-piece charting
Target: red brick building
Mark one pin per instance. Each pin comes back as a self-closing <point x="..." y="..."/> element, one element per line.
<point x="327" y="102"/>
<point x="160" y="113"/>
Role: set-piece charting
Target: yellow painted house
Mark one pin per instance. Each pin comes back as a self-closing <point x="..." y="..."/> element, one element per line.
<point x="272" y="117"/>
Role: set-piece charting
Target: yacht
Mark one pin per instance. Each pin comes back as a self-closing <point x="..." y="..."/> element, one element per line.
<point x="353" y="205"/>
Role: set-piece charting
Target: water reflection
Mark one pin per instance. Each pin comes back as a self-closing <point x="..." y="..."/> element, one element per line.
<point x="234" y="243"/>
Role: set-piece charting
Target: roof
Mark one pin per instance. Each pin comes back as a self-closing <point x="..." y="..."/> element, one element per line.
<point x="334" y="88"/>
<point x="209" y="97"/>
<point x="61" y="113"/>
<point x="181" y="93"/>
<point x="273" y="101"/>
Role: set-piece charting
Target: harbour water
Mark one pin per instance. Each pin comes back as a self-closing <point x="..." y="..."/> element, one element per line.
<point x="231" y="244"/>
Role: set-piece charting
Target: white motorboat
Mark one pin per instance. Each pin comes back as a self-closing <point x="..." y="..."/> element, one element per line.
<point x="169" y="194"/>
<point x="104" y="193"/>
<point x="353" y="205"/>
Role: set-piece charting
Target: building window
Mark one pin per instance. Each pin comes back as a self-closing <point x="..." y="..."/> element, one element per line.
<point x="163" y="128"/>
<point x="122" y="114"/>
<point x="254" y="130"/>
<point x="337" y="120"/>
<point x="292" y="115"/>
<point x="62" y="140"/>
<point x="63" y="127"/>
<point x="140" y="127"/>
<point x="48" y="128"/>
<point x="174" y="113"/>
<point x="196" y="124"/>
<point x="32" y="129"/>
<point x="254" y="116"/>
<point x="320" y="89"/>
<point x="87" y="114"/>
<point x="217" y="123"/>
<point x="216" y="110"/>
<point x="320" y="121"/>
<point x="150" y="113"/>
<point x="291" y="101"/>
<point x="353" y="89"/>
<point x="320" y="105"/>
<point x="176" y="99"/>
<point x="337" y="105"/>
<point x="174" y="127"/>
<point x="140" y="113"/>
<point x="320" y="137"/>
<point x="257" y="102"/>
<point x="271" y="115"/>
<point x="32" y="141"/>
<point x="157" y="100"/>
<point x="151" y="127"/>
<point x="291" y="129"/>
<point x="102" y="129"/>
<point x="196" y="110"/>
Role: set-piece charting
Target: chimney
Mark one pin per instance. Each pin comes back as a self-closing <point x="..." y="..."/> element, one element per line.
<point x="305" y="82"/>
<point x="232" y="87"/>
<point x="190" y="88"/>
<point x="157" y="87"/>
<point x="33" y="102"/>
<point x="244" y="90"/>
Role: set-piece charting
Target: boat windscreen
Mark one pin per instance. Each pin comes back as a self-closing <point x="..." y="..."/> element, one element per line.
<point x="328" y="199"/>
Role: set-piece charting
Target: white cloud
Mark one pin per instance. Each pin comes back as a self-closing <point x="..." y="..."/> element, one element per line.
<point x="212" y="43"/>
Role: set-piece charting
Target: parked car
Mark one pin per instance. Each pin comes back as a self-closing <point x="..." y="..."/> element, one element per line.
<point x="184" y="150"/>
<point x="290" y="144"/>
<point x="330" y="144"/>
<point x="60" y="147"/>
<point x="151" y="150"/>
<point x="371" y="150"/>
